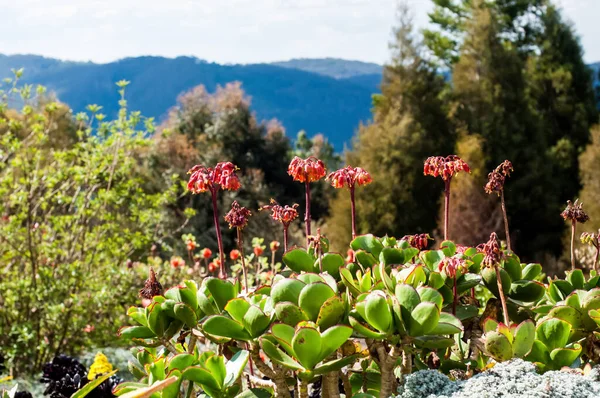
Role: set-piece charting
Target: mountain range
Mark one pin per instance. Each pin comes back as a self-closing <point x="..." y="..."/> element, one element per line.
<point x="323" y="95"/>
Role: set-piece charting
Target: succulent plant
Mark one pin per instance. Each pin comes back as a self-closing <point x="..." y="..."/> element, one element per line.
<point x="504" y="343"/>
<point x="552" y="348"/>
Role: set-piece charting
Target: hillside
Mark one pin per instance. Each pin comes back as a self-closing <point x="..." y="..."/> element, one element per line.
<point x="299" y="99"/>
<point x="333" y="67"/>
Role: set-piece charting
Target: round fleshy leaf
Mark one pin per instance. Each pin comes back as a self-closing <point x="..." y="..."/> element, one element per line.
<point x="433" y="342"/>
<point x="576" y="278"/>
<point x="391" y="256"/>
<point x="235" y="367"/>
<point x="559" y="289"/>
<point x="312" y="298"/>
<point x="368" y="243"/>
<point x="331" y="312"/>
<point x="568" y="314"/>
<point x="407" y="296"/>
<point x="467" y="282"/>
<point x="332" y="262"/>
<point x="287" y="290"/>
<point x="526" y="291"/>
<point x="289" y="313"/>
<point x="222" y="291"/>
<point x="298" y="260"/>
<point x="524" y="336"/>
<point x="255" y="321"/>
<point x="447" y="324"/>
<point x="565" y="356"/>
<point x="309" y="278"/>
<point x="430" y="295"/>
<point x="432" y="258"/>
<point x="378" y="312"/>
<point x="333" y="338"/>
<point x="489" y="279"/>
<point x="237" y="308"/>
<point x="498" y="346"/>
<point x="366" y="260"/>
<point x="221" y="326"/>
<point x="512" y="265"/>
<point x="307" y="345"/>
<point x="365" y="330"/>
<point x="414" y="275"/>
<point x="553" y="333"/>
<point x="531" y="271"/>
<point x="466" y="311"/>
<point x="423" y="319"/>
<point x="185" y="314"/>
<point x="200" y="376"/>
<point x="138" y="332"/>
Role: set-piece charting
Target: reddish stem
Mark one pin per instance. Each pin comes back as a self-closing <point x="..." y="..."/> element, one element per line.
<point x="505" y="220"/>
<point x="446" y="206"/>
<point x="353" y="207"/>
<point x="307" y="213"/>
<point x="597" y="258"/>
<point x="241" y="249"/>
<point x="285" y="237"/>
<point x="222" y="274"/>
<point x="573" y="226"/>
<point x="501" y="294"/>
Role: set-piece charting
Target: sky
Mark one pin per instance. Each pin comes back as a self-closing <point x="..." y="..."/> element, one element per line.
<point x="225" y="31"/>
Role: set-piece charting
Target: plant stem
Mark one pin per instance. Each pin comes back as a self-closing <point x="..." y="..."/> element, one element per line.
<point x="222" y="274"/>
<point x="192" y="344"/>
<point x="241" y="249"/>
<point x="573" y="226"/>
<point x="446" y="206"/>
<point x="250" y="360"/>
<point x="506" y="231"/>
<point x="285" y="237"/>
<point x="597" y="258"/>
<point x="502" y="298"/>
<point x="455" y="296"/>
<point x="303" y="388"/>
<point x="353" y="207"/>
<point x="307" y="213"/>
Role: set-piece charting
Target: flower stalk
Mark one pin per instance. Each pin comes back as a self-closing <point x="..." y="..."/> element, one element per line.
<point x="238" y="218"/>
<point x="574" y="213"/>
<point x="496" y="181"/>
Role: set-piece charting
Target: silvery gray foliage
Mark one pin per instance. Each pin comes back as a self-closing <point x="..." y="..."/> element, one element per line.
<point x="513" y="379"/>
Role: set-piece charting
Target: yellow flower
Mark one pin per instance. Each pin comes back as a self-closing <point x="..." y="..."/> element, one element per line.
<point x="100" y="366"/>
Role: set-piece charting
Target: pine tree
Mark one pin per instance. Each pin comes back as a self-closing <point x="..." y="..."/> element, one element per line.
<point x="409" y="124"/>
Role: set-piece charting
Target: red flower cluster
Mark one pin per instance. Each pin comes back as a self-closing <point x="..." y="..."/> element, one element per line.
<point x="491" y="249"/>
<point x="284" y="214"/>
<point x="237" y="216"/>
<point x="349" y="177"/>
<point x="258" y="251"/>
<point x="191" y="245"/>
<point x="306" y="170"/>
<point x="497" y="178"/>
<point x="574" y="212"/>
<point x="177" y="262"/>
<point x="418" y="241"/>
<point x="204" y="179"/>
<point x="446" y="167"/>
<point x="452" y="265"/>
<point x="214" y="265"/>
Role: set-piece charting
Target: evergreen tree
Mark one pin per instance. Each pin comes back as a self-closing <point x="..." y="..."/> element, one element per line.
<point x="589" y="161"/>
<point x="409" y="124"/>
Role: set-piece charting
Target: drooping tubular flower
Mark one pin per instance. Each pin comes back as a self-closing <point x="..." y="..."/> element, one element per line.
<point x="445" y="167"/>
<point x="496" y="180"/>
<point x="418" y="241"/>
<point x="203" y="179"/>
<point x="310" y="169"/>
<point x="237" y="218"/>
<point x="453" y="266"/>
<point x="574" y="212"/>
<point x="306" y="171"/>
<point x="592" y="239"/>
<point x="492" y="257"/>
<point x="350" y="177"/>
<point x="285" y="215"/>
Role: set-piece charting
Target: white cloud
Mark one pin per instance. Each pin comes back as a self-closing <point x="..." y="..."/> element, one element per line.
<point x="222" y="30"/>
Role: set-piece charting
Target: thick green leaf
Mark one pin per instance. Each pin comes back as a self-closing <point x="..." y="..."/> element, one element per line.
<point x="185" y="314"/>
<point x="349" y="282"/>
<point x="524" y="338"/>
<point x="85" y="390"/>
<point x="290" y="313"/>
<point x="237" y="308"/>
<point x="307" y="345"/>
<point x="391" y="256"/>
<point x="299" y="260"/>
<point x="447" y="324"/>
<point x="526" y="291"/>
<point x="312" y="298"/>
<point x="365" y="330"/>
<point x="466" y="282"/>
<point x="432" y="258"/>
<point x="219" y="325"/>
<point x="333" y="338"/>
<point x="287" y="290"/>
<point x="565" y="356"/>
<point x="201" y="376"/>
<point x="430" y="295"/>
<point x="221" y="291"/>
<point x="539" y="353"/>
<point x="283" y="332"/>
<point x="138" y="314"/>
<point x="368" y="243"/>
<point x="512" y="265"/>
<point x="414" y="275"/>
<point x="433" y="342"/>
<point x="498" y="346"/>
<point x="466" y="311"/>
<point x="378" y="312"/>
<point x="331" y="312"/>
<point x="255" y="321"/>
<point x="181" y="361"/>
<point x="216" y="366"/>
<point x="332" y="262"/>
<point x="139" y="332"/>
<point x="559" y="289"/>
<point x="576" y="278"/>
<point x="435" y="280"/>
<point x="489" y="279"/>
<point x="366" y="260"/>
<point x="336" y="364"/>
<point x="553" y="333"/>
<point x="254" y="393"/>
<point x="278" y="356"/>
<point x="449" y="248"/>
<point x="568" y="314"/>
<point x="423" y="319"/>
<point x="151" y="390"/>
<point x="531" y="271"/>
<point x="235" y="367"/>
<point x="157" y="319"/>
<point x="407" y="296"/>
